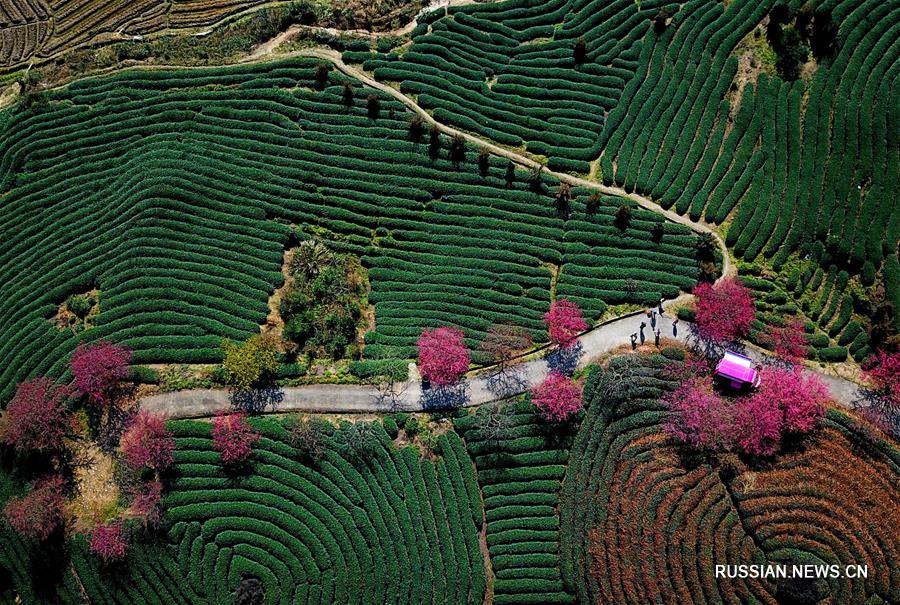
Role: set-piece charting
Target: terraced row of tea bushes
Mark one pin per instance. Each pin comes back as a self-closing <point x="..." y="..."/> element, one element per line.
<point x="174" y="193"/>
<point x="392" y="528"/>
<point x="827" y="311"/>
<point x="774" y="308"/>
<point x="794" y="163"/>
<point x="27" y="31"/>
<point x="520" y="469"/>
<point x="642" y="524"/>
<point x="511" y="71"/>
<point x="24" y="26"/>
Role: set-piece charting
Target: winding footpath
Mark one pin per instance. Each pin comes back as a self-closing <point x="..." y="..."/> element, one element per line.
<point x="609" y="336"/>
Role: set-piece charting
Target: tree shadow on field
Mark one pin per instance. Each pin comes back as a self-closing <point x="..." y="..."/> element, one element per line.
<point x="507" y="382"/>
<point x="256" y="400"/>
<point x="109" y="432"/>
<point x="436" y="398"/>
<point x="47" y="564"/>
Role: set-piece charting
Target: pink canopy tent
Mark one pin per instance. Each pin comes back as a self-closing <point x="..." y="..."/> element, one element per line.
<point x="738" y="369"/>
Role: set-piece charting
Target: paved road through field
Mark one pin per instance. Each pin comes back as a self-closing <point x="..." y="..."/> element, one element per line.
<point x="351" y="398"/>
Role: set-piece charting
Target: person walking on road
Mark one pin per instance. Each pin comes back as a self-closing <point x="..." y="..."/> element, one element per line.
<point x="675" y="327"/>
<point x="656" y="337"/>
<point x="643" y="325"/>
<point x="634" y="338"/>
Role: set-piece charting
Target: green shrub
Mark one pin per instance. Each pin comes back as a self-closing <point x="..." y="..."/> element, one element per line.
<point x="832" y="354"/>
<point x="390" y="427"/>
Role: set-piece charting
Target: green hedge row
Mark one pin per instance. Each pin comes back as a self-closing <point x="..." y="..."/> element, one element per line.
<point x="519" y="471"/>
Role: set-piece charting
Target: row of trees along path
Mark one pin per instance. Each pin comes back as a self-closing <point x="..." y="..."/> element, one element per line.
<point x="351" y="398"/>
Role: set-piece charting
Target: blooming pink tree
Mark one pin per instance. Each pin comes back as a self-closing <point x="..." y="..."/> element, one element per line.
<point x="799" y="397"/>
<point x="788" y="401"/>
<point x="788" y="341"/>
<point x="147" y="504"/>
<point x="724" y="310"/>
<point x="108" y="541"/>
<point x="38" y="513"/>
<point x="37" y="418"/>
<point x="700" y="417"/>
<point x="557" y="398"/>
<point x="233" y="437"/>
<point x="146" y="443"/>
<point x="564" y="322"/>
<point x="883" y="372"/>
<point x="443" y="357"/>
<point x="98" y="367"/>
<point x="757" y="426"/>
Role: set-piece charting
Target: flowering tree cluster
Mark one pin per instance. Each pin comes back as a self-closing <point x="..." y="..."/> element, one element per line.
<point x="99" y="367"/>
<point x="557" y="398"/>
<point x="443" y="357"/>
<point x="883" y="372"/>
<point x="38" y="513"/>
<point x="233" y="437"/>
<point x="788" y="341"/>
<point x="701" y="418"/>
<point x="564" y="322"/>
<point x="37" y="418"/>
<point x="788" y="401"/>
<point x="724" y="311"/>
<point x="146" y="443"/>
<point x="108" y="541"/>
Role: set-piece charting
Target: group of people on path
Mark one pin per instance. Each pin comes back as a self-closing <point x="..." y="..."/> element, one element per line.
<point x="657" y="332"/>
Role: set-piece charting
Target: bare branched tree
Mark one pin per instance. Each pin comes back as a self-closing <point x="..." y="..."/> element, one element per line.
<point x="501" y="346"/>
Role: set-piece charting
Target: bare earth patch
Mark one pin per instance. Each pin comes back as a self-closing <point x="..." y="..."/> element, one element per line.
<point x="96" y="493"/>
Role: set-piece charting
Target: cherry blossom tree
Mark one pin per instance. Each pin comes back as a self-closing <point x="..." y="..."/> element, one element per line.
<point x="700" y="417"/>
<point x="108" y="541"/>
<point x="788" y="341"/>
<point x="99" y="367"/>
<point x="789" y="400"/>
<point x="38" y="513"/>
<point x="233" y="437"/>
<point x="564" y="322"/>
<point x="147" y="504"/>
<point x="883" y="372"/>
<point x="557" y="398"/>
<point x="757" y="426"/>
<point x="37" y="418"/>
<point x="443" y="357"/>
<point x="724" y="311"/>
<point x="799" y="397"/>
<point x="146" y="443"/>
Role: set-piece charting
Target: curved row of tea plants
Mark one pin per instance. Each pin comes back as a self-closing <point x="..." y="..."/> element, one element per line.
<point x="514" y="71"/>
<point x="390" y="527"/>
<point x="520" y="469"/>
<point x="175" y="193"/>
<point x="643" y="521"/>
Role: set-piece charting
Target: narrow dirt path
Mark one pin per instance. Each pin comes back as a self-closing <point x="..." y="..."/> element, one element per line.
<point x="334" y="58"/>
